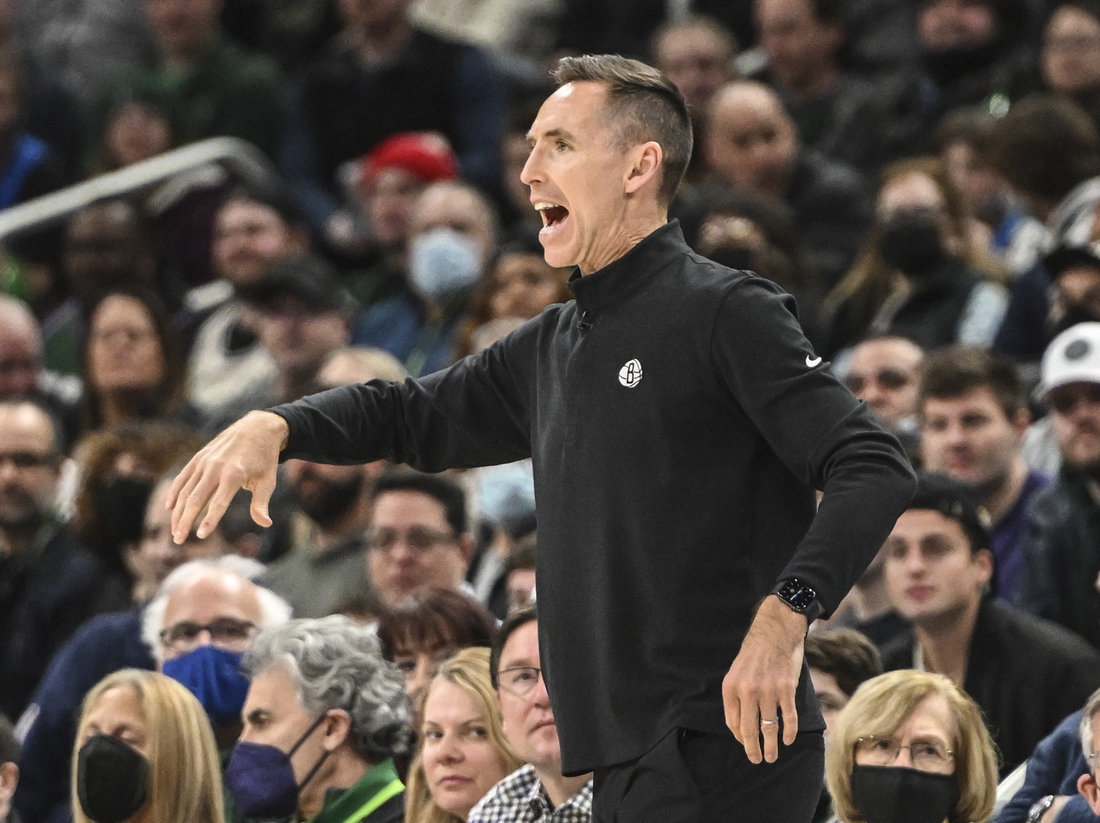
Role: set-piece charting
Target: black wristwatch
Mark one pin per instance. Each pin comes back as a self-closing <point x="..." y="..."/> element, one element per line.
<point x="798" y="597"/>
<point x="1039" y="808"/>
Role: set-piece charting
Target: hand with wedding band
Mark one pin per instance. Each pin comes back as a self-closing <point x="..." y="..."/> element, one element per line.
<point x="760" y="686"/>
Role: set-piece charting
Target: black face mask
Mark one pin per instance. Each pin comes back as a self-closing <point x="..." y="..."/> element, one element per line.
<point x="895" y="794"/>
<point x="910" y="242"/>
<point x="947" y="65"/>
<point x="112" y="780"/>
<point x="121" y="503"/>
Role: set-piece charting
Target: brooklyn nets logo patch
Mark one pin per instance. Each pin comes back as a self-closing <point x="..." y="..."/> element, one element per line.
<point x="630" y="375"/>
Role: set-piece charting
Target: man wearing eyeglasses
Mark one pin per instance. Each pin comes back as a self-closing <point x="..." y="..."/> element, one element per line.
<point x="200" y="624"/>
<point x="419" y="535"/>
<point x="885" y="371"/>
<point x="49" y="583"/>
<point x="537" y="790"/>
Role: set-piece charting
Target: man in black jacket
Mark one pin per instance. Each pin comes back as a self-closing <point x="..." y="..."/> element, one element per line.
<point x="1025" y="673"/>
<point x="678" y="422"/>
<point x="49" y="583"/>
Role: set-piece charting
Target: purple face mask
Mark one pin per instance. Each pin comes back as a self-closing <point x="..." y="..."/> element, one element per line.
<point x="261" y="778"/>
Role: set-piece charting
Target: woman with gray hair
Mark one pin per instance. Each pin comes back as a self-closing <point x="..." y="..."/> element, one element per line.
<point x="324" y="711"/>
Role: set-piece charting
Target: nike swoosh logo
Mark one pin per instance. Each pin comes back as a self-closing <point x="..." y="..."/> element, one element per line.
<point x="812" y="361"/>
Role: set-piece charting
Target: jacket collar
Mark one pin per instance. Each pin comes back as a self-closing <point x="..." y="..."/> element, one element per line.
<point x="620" y="277"/>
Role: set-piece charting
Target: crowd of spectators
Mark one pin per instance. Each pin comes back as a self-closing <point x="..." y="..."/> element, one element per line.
<point x="923" y="178"/>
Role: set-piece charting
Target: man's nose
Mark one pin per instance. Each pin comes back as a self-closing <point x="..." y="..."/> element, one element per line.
<point x="914" y="562"/>
<point x="955" y="435"/>
<point x="530" y="172"/>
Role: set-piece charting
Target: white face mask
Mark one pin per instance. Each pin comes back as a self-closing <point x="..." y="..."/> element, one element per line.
<point x="442" y="261"/>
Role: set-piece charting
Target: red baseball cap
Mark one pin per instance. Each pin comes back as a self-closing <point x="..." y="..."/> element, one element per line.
<point x="424" y="154"/>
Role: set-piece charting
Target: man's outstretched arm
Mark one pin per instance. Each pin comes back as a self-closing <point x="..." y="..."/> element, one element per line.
<point x="472" y="414"/>
<point x="244" y="456"/>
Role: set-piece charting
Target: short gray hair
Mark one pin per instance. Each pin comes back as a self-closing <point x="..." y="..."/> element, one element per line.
<point x="337" y="664"/>
<point x="1092" y="708"/>
<point x="274" y="611"/>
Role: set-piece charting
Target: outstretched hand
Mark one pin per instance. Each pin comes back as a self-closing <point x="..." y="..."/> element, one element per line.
<point x="244" y="456"/>
<point x="761" y="683"/>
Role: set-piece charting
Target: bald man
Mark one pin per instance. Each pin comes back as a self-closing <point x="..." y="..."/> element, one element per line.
<point x="22" y="373"/>
<point x="752" y="142"/>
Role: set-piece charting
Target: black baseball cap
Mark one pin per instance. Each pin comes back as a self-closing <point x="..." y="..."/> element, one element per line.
<point x="956" y="500"/>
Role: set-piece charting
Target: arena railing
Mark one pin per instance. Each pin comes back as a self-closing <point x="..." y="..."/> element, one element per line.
<point x="247" y="162"/>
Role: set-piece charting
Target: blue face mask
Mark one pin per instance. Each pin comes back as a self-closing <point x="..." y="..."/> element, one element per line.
<point x="261" y="778"/>
<point x="214" y="676"/>
<point x="442" y="261"/>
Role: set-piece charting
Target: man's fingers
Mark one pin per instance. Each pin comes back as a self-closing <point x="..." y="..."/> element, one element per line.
<point x="770" y="732"/>
<point x="261" y="497"/>
<point x="733" y="714"/>
<point x="178" y="483"/>
<point x="189" y="504"/>
<point x="790" y="714"/>
<point x="750" y="730"/>
<point x="215" y="508"/>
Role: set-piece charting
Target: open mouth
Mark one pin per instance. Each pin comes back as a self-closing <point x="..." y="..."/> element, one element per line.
<point x="552" y="214"/>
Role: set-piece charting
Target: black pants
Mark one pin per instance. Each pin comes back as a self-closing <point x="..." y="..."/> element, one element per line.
<point x="692" y="777"/>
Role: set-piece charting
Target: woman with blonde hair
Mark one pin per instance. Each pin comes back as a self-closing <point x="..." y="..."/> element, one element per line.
<point x="463" y="752"/>
<point x="919" y="274"/>
<point x="911" y="747"/>
<point x="145" y="753"/>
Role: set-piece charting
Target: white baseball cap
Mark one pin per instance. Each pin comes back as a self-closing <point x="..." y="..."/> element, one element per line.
<point x="1072" y="357"/>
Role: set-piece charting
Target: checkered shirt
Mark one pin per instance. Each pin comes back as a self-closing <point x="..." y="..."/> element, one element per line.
<point x="519" y="798"/>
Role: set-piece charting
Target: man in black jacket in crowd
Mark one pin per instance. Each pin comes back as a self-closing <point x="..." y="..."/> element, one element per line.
<point x="678" y="422"/>
<point x="1024" y="672"/>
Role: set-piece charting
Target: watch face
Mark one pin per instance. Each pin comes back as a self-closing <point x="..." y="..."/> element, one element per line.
<point x="1037" y="810"/>
<point x="797" y="593"/>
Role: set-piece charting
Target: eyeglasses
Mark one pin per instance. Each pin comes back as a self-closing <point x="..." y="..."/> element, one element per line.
<point x="1091" y="758"/>
<point x="519" y="681"/>
<point x="27" y="460"/>
<point x="417" y="539"/>
<point x="889" y="379"/>
<point x="926" y="755"/>
<point x="225" y="631"/>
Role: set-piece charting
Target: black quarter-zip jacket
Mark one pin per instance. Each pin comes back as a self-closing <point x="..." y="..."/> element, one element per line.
<point x="678" y="422"/>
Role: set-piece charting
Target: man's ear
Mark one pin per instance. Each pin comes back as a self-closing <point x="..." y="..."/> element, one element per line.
<point x="1088" y="789"/>
<point x="466" y="546"/>
<point x="9" y="779"/>
<point x="337" y="728"/>
<point x="1020" y="421"/>
<point x="645" y="165"/>
<point x="983" y="558"/>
